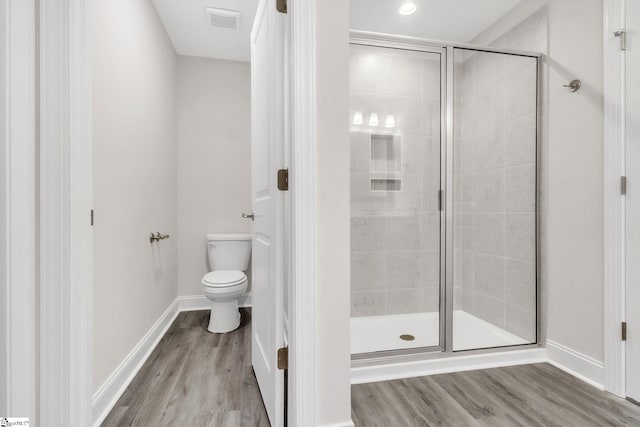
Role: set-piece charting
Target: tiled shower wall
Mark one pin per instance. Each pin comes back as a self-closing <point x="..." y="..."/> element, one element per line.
<point x="395" y="235"/>
<point x="495" y="183"/>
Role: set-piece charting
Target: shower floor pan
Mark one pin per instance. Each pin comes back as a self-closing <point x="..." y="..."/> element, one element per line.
<point x="380" y="333"/>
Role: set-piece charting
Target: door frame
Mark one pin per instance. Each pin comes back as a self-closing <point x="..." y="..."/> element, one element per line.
<point x="65" y="202"/>
<point x="55" y="218"/>
<point x="18" y="192"/>
<point x="614" y="203"/>
<point x="302" y="118"/>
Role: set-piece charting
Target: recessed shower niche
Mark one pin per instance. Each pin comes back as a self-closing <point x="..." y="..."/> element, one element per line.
<point x="443" y="197"/>
<point x="385" y="162"/>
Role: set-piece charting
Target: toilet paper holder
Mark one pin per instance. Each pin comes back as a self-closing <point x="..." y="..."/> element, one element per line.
<point x="157" y="237"/>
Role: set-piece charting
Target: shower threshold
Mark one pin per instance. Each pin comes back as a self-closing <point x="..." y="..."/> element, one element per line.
<point x="381" y="333"/>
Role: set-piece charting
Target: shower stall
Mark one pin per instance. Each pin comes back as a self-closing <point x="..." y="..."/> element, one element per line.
<point x="444" y="196"/>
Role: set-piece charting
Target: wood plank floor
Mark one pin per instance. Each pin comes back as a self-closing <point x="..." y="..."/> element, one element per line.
<point x="195" y="378"/>
<point x="528" y="396"/>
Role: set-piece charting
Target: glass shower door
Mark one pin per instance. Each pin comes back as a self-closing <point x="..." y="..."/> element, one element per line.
<point x="396" y="224"/>
<point x="494" y="199"/>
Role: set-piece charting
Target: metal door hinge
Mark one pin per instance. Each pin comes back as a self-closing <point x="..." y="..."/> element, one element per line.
<point x="281" y="6"/>
<point x="283" y="179"/>
<point x="92" y="217"/>
<point x="623" y="185"/>
<point x="283" y="358"/>
<point x="624" y="331"/>
<point x="440" y="193"/>
<point x="622" y="35"/>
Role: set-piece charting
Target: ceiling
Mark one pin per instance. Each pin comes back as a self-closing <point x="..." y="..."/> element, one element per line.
<point x="188" y="26"/>
<point x="450" y="20"/>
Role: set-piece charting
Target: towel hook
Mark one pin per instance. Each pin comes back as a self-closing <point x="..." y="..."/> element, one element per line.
<point x="157" y="237"/>
<point x="574" y="85"/>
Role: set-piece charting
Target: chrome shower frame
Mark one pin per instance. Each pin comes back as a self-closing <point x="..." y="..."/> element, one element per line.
<point x="446" y="52"/>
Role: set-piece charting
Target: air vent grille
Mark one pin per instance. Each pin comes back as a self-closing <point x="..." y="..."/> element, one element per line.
<point x="223" y="18"/>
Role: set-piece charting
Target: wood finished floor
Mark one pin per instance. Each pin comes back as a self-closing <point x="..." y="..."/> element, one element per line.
<point x="528" y="396"/>
<point x="195" y="378"/>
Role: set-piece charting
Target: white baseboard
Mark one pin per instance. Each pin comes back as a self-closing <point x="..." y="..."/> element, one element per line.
<point x="443" y="365"/>
<point x="108" y="394"/>
<point x="200" y="302"/>
<point x="575" y="363"/>
<point x="343" y="424"/>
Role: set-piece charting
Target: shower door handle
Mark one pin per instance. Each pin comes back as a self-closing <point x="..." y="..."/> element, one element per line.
<point x="249" y="215"/>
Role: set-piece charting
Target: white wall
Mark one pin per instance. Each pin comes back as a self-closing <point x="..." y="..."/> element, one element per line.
<point x="573" y="236"/>
<point x="135" y="173"/>
<point x="333" y="287"/>
<point x="214" y="159"/>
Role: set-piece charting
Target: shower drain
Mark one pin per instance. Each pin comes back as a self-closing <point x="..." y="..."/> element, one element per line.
<point x="407" y="337"/>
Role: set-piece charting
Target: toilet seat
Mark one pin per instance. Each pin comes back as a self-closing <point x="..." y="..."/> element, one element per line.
<point x="224" y="278"/>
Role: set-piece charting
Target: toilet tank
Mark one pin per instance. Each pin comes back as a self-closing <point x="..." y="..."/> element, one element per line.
<point x="229" y="251"/>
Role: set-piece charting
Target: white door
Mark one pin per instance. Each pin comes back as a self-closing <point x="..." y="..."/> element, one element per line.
<point x="267" y="156"/>
<point x="633" y="200"/>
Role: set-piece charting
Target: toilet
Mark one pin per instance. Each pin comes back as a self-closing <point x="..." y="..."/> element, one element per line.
<point x="229" y="256"/>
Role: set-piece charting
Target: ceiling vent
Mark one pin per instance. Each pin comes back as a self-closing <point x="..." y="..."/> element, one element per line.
<point x="223" y="18"/>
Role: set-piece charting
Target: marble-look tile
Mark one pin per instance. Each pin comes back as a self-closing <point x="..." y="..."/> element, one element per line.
<point x="430" y="299"/>
<point x="407" y="112"/>
<point x="489" y="275"/>
<point x="429" y="234"/>
<point x="431" y="117"/>
<point x="430" y="269"/>
<point x="409" y="199"/>
<point x="403" y="233"/>
<point x="464" y="267"/>
<point x="413" y="148"/>
<point x="404" y="75"/>
<point x="467" y="301"/>
<point x="520" y="188"/>
<point x="521" y="85"/>
<point x="489" y="233"/>
<point x="403" y="301"/>
<point x="368" y="271"/>
<point x="489" y="309"/>
<point x="520" y="241"/>
<point x="368" y="70"/>
<point x="431" y="155"/>
<point x="404" y="269"/>
<point x="430" y="193"/>
<point x="489" y="149"/>
<point x="489" y="191"/>
<point x="359" y="152"/>
<point x="431" y="81"/>
<point x="368" y="303"/>
<point x="521" y="323"/>
<point x="368" y="233"/>
<point x="520" y="283"/>
<point x="520" y="140"/>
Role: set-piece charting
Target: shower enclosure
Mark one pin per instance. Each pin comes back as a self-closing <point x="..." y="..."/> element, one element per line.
<point x="443" y="196"/>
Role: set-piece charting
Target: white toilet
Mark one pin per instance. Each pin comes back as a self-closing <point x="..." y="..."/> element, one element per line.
<point x="229" y="256"/>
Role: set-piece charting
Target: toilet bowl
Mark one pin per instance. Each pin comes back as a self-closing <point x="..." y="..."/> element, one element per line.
<point x="228" y="255"/>
<point x="223" y="288"/>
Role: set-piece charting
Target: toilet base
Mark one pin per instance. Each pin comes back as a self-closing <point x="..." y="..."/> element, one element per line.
<point x="225" y="317"/>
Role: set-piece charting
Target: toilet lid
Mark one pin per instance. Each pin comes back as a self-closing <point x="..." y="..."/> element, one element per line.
<point x="222" y="278"/>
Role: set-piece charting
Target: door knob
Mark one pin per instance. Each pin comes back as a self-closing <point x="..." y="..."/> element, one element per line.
<point x="249" y="215"/>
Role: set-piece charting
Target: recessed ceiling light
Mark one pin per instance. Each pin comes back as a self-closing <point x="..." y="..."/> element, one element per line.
<point x="407" y="8"/>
